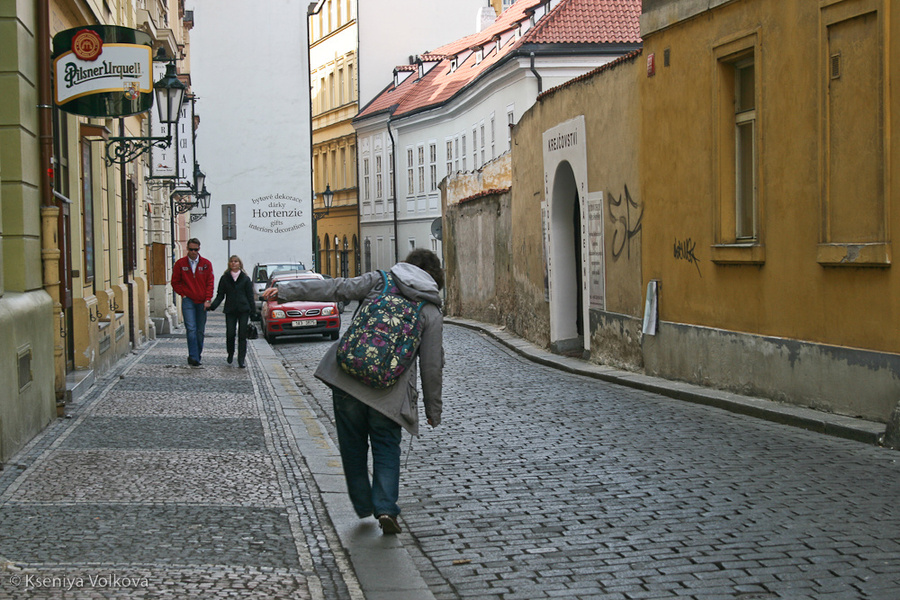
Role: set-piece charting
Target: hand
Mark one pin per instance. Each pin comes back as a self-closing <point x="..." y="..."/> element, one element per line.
<point x="430" y="422"/>
<point x="270" y="293"/>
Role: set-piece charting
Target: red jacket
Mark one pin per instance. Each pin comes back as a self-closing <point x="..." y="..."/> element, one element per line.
<point x="198" y="286"/>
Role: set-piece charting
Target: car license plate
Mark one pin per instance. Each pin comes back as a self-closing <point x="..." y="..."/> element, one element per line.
<point x="303" y="323"/>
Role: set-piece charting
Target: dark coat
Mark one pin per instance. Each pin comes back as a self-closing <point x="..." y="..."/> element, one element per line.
<point x="238" y="294"/>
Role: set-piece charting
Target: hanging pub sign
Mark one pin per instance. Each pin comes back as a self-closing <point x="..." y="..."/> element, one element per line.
<point x="103" y="71"/>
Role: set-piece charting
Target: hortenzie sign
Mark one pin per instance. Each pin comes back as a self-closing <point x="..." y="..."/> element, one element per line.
<point x="103" y="71"/>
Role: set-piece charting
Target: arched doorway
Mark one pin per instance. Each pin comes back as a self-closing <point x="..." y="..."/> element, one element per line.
<point x="567" y="307"/>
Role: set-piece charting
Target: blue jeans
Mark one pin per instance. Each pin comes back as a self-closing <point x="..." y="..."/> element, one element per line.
<point x="357" y="424"/>
<point x="195" y="322"/>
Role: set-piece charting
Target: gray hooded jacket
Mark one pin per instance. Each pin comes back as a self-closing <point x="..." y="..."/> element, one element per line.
<point x="398" y="402"/>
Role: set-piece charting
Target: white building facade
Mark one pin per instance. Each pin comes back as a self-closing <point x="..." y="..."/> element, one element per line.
<point x="412" y="145"/>
<point x="250" y="60"/>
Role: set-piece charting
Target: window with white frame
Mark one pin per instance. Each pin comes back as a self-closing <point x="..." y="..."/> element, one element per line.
<point x="474" y="148"/>
<point x="493" y="137"/>
<point x="391" y="175"/>
<point x="432" y="165"/>
<point x="449" y="157"/>
<point x="378" y="184"/>
<point x="365" y="179"/>
<point x="463" y="153"/>
<point x="410" y="173"/>
<point x="456" y="155"/>
<point x="482" y="143"/>
<point x="421" y="168"/>
<point x="510" y="121"/>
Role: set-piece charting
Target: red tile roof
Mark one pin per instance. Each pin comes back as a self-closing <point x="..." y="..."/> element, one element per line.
<point x="590" y="21"/>
<point x="581" y="22"/>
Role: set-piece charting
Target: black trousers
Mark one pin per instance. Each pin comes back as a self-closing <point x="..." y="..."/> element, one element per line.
<point x="236" y="320"/>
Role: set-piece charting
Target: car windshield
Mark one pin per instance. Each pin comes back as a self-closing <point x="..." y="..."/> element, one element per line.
<point x="265" y="272"/>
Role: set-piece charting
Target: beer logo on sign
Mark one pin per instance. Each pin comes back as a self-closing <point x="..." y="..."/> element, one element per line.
<point x="87" y="45"/>
<point x="131" y="91"/>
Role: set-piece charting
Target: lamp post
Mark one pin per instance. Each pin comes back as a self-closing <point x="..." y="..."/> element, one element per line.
<point x="327" y="199"/>
<point x="168" y="95"/>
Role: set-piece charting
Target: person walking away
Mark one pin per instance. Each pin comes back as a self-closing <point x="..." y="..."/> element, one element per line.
<point x="365" y="414"/>
<point x="193" y="280"/>
<point x="236" y="289"/>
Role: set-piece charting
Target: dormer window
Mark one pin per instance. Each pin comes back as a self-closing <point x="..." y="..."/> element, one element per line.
<point x="497" y="44"/>
<point x="454" y="62"/>
<point x="479" y="56"/>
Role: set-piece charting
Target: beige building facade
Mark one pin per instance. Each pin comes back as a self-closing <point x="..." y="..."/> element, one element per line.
<point x="333" y="51"/>
<point x="74" y="227"/>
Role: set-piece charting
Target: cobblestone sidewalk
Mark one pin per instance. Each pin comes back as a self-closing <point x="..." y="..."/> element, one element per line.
<point x="167" y="481"/>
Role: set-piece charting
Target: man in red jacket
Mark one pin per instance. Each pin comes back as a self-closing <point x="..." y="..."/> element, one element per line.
<point x="193" y="280"/>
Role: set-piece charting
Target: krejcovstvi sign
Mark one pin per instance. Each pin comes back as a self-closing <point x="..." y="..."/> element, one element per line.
<point x="103" y="71"/>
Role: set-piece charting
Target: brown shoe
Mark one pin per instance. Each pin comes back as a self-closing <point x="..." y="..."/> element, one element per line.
<point x="388" y="524"/>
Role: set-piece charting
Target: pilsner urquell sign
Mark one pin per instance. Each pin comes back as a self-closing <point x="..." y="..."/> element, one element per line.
<point x="103" y="71"/>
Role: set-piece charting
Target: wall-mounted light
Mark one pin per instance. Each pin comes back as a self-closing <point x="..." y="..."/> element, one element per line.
<point x="168" y="95"/>
<point x="327" y="199"/>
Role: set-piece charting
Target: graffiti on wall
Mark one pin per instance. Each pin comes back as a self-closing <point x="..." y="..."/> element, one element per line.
<point x="625" y="215"/>
<point x="684" y="250"/>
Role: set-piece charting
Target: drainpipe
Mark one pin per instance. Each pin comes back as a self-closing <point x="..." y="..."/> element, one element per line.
<point x="50" y="210"/>
<point x="310" y="12"/>
<point x="394" y="185"/>
<point x="536" y="74"/>
<point x="128" y="241"/>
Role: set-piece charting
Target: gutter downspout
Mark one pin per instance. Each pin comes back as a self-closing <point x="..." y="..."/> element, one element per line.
<point x="128" y="241"/>
<point x="50" y="210"/>
<point x="310" y="11"/>
<point x="394" y="185"/>
<point x="540" y="81"/>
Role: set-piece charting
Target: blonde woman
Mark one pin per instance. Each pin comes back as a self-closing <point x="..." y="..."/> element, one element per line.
<point x="236" y="289"/>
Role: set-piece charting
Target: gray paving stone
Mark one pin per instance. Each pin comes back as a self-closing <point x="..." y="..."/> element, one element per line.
<point x="623" y="487"/>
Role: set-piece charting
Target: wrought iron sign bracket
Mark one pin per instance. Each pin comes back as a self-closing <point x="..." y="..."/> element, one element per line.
<point x="122" y="150"/>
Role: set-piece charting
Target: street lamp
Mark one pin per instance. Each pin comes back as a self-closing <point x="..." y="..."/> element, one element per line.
<point x="169" y="94"/>
<point x="327" y="199"/>
<point x="203" y="200"/>
<point x="199" y="178"/>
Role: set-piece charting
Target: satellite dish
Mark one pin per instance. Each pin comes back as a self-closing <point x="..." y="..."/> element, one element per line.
<point x="437" y="228"/>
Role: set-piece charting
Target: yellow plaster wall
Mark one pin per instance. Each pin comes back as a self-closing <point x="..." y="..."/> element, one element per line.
<point x="790" y="294"/>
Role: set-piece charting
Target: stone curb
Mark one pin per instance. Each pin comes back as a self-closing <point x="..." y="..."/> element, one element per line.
<point x="850" y="428"/>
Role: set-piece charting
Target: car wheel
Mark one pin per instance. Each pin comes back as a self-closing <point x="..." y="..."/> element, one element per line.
<point x="334" y="335"/>
<point x="270" y="338"/>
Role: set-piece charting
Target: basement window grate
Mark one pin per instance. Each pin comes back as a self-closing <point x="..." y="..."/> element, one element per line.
<point x="24" y="368"/>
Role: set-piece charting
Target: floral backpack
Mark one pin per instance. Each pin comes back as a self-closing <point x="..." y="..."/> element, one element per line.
<point x="381" y="342"/>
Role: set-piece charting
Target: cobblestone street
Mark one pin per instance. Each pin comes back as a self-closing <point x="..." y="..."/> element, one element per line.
<point x="544" y="484"/>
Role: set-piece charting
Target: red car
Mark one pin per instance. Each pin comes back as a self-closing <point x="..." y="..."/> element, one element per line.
<point x="299" y="318"/>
